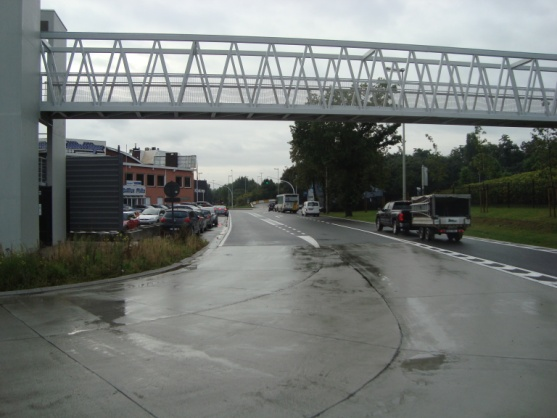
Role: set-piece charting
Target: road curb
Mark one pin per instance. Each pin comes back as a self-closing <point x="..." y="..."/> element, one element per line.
<point x="186" y="262"/>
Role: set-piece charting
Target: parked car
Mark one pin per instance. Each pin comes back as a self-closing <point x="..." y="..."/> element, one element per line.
<point x="151" y="216"/>
<point x="311" y="208"/>
<point x="214" y="216"/>
<point x="175" y="220"/>
<point x="206" y="222"/>
<point x="130" y="221"/>
<point x="221" y="210"/>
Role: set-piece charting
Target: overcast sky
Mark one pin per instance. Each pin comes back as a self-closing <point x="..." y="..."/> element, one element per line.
<point x="256" y="149"/>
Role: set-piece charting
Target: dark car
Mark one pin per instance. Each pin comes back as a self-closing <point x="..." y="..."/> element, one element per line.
<point x="174" y="221"/>
<point x="271" y="206"/>
<point x="221" y="210"/>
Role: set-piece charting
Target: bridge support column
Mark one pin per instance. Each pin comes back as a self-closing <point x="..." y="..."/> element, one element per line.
<point x="19" y="115"/>
<point x="56" y="142"/>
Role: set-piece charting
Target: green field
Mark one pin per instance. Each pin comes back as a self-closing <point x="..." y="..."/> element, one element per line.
<point x="532" y="226"/>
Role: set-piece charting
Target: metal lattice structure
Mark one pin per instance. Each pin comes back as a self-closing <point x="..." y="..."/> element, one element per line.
<point x="241" y="78"/>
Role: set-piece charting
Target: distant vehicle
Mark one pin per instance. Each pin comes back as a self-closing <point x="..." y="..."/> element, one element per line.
<point x="174" y="221"/>
<point x="140" y="208"/>
<point x="203" y="203"/>
<point x="394" y="215"/>
<point x="207" y="222"/>
<point x="310" y="208"/>
<point x="214" y="216"/>
<point x="287" y="203"/>
<point x="151" y="216"/>
<point x="271" y="206"/>
<point x="221" y="210"/>
<point x="130" y="221"/>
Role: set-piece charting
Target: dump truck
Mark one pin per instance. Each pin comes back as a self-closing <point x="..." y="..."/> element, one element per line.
<point x="438" y="214"/>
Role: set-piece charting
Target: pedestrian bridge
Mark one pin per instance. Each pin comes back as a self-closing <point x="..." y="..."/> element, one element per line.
<point x="163" y="76"/>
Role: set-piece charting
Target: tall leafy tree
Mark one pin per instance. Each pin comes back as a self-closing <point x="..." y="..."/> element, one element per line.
<point x="541" y="154"/>
<point x="340" y="156"/>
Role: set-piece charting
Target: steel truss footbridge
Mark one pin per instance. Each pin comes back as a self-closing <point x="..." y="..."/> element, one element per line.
<point x="163" y="76"/>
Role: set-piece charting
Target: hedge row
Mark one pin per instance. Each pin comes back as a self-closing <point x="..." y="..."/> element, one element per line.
<point x="525" y="189"/>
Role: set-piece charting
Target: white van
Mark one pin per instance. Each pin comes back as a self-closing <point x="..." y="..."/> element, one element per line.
<point x="311" y="208"/>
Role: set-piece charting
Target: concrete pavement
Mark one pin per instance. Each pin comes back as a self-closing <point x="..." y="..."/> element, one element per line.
<point x="238" y="331"/>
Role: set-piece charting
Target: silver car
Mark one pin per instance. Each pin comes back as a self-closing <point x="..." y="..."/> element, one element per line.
<point x="151" y="216"/>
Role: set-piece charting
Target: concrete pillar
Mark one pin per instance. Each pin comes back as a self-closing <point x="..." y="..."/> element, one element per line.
<point x="56" y="141"/>
<point x="19" y="115"/>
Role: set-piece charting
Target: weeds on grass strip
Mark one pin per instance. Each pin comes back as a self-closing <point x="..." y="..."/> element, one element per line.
<point x="86" y="259"/>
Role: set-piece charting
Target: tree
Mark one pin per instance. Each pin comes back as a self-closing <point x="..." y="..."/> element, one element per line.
<point x="510" y="156"/>
<point x="541" y="154"/>
<point x="340" y="155"/>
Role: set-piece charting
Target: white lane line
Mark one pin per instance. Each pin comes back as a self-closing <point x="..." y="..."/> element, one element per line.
<point x="310" y="240"/>
<point x="541" y="278"/>
<point x="288" y="229"/>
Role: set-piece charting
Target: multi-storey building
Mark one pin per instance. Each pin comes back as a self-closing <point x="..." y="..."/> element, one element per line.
<point x="145" y="172"/>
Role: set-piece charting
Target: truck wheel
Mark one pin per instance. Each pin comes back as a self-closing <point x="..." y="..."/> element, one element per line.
<point x="458" y="236"/>
<point x="430" y="234"/>
<point x="396" y="228"/>
<point x="378" y="225"/>
<point x="421" y="231"/>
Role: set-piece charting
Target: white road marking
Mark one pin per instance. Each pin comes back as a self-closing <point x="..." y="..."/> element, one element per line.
<point x="541" y="278"/>
<point x="288" y="229"/>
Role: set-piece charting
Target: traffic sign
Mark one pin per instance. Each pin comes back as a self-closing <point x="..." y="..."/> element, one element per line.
<point x="171" y="189"/>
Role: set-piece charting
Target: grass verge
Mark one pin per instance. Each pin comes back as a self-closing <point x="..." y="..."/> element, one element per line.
<point x="531" y="226"/>
<point x="87" y="260"/>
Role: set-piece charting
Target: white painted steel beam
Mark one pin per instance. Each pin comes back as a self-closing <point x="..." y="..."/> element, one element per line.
<point x="199" y="76"/>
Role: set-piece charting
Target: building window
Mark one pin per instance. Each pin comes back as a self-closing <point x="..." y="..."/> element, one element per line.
<point x="160" y="181"/>
<point x="129" y="176"/>
<point x="179" y="180"/>
<point x="140" y="178"/>
<point x="187" y="182"/>
<point x="150" y="179"/>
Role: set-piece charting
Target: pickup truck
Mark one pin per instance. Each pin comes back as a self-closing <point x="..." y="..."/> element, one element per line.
<point x="394" y="215"/>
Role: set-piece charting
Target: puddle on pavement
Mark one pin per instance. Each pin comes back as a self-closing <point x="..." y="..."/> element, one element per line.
<point x="424" y="362"/>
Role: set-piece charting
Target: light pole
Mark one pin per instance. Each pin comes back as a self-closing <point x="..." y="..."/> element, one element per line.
<point x="278" y="180"/>
<point x="232" y="186"/>
<point x="197" y="184"/>
<point x="404" y="197"/>
<point x="203" y="191"/>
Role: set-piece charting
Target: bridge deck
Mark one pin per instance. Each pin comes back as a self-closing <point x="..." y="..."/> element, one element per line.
<point x="251" y="78"/>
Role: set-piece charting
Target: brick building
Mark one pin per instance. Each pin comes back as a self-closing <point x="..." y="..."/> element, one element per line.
<point x="145" y="172"/>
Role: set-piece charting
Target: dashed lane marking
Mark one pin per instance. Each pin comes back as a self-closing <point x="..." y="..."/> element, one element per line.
<point x="288" y="229"/>
<point x="541" y="278"/>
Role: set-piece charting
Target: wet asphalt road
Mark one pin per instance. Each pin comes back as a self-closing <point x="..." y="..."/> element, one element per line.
<point x="290" y="317"/>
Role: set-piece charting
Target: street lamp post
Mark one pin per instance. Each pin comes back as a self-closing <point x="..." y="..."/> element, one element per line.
<point x="232" y="186"/>
<point x="278" y="180"/>
<point x="197" y="188"/>
<point x="404" y="161"/>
